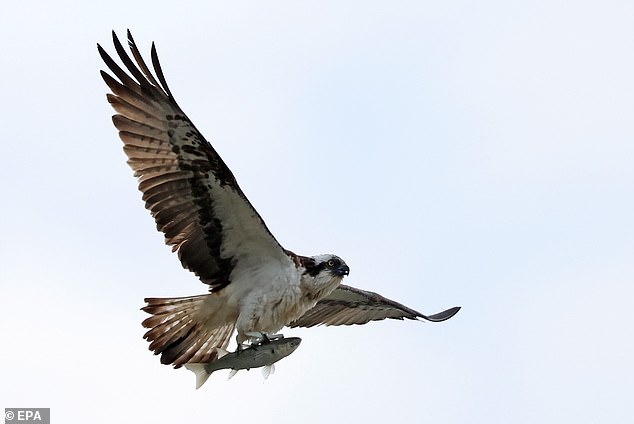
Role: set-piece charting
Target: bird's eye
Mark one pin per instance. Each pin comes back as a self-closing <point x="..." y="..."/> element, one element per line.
<point x="331" y="263"/>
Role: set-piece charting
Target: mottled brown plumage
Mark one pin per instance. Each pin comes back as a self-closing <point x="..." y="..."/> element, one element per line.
<point x="176" y="167"/>
<point x="348" y="305"/>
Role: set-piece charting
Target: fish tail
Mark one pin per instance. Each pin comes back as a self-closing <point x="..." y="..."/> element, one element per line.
<point x="202" y="374"/>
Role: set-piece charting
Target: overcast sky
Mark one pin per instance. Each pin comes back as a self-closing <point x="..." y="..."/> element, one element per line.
<point x="453" y="153"/>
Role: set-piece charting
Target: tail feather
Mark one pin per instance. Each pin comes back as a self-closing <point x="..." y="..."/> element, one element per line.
<point x="214" y="345"/>
<point x="161" y="306"/>
<point x="161" y="323"/>
<point x="167" y="333"/>
<point x="180" y="330"/>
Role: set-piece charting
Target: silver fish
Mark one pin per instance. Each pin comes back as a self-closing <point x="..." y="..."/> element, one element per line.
<point x="262" y="354"/>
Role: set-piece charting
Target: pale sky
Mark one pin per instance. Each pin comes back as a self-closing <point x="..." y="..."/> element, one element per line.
<point x="453" y="153"/>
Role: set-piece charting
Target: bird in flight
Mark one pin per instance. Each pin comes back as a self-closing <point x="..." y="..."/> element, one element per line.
<point x="256" y="286"/>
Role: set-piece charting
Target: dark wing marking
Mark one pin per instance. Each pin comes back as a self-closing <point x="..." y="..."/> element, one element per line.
<point x="192" y="195"/>
<point x="348" y="305"/>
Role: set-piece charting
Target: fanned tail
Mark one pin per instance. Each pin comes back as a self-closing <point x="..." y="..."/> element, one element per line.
<point x="181" y="332"/>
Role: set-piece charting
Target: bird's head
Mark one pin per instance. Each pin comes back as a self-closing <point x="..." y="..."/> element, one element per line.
<point x="321" y="274"/>
<point x="326" y="265"/>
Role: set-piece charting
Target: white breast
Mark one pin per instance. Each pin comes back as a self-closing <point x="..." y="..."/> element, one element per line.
<point x="265" y="294"/>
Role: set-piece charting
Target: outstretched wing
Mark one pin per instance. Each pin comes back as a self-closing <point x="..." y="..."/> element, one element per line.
<point x="191" y="193"/>
<point x="348" y="305"/>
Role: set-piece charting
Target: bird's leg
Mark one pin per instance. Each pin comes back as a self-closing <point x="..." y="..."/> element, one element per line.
<point x="264" y="338"/>
<point x="241" y="345"/>
<point x="258" y="337"/>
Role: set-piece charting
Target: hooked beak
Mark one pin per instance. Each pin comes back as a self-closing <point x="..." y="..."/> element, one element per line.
<point x="342" y="270"/>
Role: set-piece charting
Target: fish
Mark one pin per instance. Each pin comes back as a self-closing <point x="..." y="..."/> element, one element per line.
<point x="260" y="354"/>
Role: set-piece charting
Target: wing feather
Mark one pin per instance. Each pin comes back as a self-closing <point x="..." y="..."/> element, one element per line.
<point x="137" y="114"/>
<point x="191" y="193"/>
<point x="348" y="305"/>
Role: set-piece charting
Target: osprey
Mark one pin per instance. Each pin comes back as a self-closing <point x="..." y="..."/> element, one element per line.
<point x="256" y="286"/>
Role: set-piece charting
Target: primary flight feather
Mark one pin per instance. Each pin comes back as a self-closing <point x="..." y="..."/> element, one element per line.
<point x="256" y="287"/>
